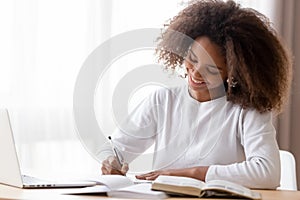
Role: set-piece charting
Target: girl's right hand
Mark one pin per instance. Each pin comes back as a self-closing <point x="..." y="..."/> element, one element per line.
<point x="112" y="166"/>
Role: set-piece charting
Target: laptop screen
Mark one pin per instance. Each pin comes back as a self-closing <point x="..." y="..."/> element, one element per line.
<point x="10" y="173"/>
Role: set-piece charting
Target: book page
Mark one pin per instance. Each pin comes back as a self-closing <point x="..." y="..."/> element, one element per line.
<point x="114" y="182"/>
<point x="231" y="188"/>
<point x="180" y="181"/>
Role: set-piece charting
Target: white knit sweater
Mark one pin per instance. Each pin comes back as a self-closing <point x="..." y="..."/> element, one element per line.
<point x="237" y="144"/>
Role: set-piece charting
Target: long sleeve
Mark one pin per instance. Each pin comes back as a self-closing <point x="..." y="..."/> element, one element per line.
<point x="261" y="169"/>
<point x="136" y="134"/>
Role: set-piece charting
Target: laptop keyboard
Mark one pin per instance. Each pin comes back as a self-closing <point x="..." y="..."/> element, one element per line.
<point x="35" y="182"/>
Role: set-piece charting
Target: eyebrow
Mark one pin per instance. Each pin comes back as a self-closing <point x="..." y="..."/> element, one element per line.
<point x="214" y="66"/>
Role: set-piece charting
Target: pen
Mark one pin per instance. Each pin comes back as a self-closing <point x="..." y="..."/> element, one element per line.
<point x="116" y="152"/>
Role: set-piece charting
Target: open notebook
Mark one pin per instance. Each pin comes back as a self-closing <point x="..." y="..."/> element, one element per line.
<point x="10" y="172"/>
<point x="120" y="186"/>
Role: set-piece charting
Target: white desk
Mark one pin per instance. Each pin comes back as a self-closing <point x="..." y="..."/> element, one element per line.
<point x="7" y="192"/>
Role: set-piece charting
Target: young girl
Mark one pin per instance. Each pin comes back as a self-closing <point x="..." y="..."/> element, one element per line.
<point x="219" y="126"/>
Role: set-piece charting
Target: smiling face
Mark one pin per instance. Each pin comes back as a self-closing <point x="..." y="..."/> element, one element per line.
<point x="206" y="70"/>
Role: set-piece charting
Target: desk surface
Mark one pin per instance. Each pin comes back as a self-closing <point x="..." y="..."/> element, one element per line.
<point x="7" y="192"/>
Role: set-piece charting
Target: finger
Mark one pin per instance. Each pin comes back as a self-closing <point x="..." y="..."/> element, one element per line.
<point x="105" y="161"/>
<point x="104" y="171"/>
<point x="147" y="174"/>
<point x="152" y="177"/>
<point x="109" y="167"/>
<point x="140" y="177"/>
<point x="113" y="171"/>
<point x="112" y="160"/>
<point x="104" y="164"/>
<point x="143" y="176"/>
<point x="104" y="167"/>
<point x="124" y="168"/>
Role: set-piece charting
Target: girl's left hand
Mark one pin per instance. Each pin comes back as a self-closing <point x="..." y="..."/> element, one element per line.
<point x="153" y="175"/>
<point x="193" y="172"/>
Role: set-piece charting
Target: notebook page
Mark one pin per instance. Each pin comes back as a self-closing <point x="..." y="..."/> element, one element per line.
<point x="142" y="191"/>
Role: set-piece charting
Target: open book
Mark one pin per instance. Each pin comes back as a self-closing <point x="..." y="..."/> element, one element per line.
<point x="120" y="186"/>
<point x="193" y="187"/>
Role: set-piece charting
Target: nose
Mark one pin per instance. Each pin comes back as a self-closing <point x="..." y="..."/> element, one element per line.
<point x="197" y="70"/>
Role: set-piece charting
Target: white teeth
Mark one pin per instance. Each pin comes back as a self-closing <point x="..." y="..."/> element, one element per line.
<point x="197" y="81"/>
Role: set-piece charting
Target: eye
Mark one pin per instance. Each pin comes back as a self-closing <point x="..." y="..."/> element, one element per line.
<point x="212" y="69"/>
<point x="193" y="60"/>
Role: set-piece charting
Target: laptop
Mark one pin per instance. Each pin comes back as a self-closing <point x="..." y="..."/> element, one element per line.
<point x="10" y="172"/>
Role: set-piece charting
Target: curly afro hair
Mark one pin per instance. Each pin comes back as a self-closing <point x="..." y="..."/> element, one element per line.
<point x="255" y="56"/>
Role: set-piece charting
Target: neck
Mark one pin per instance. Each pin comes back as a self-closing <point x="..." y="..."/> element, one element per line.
<point x="208" y="95"/>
